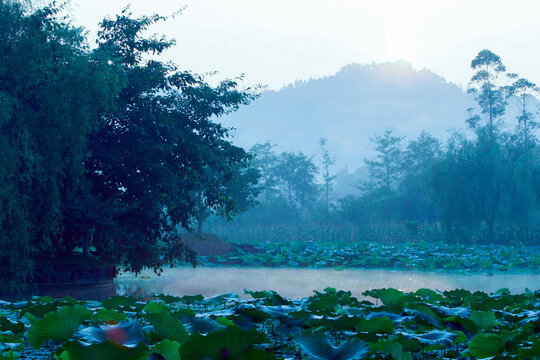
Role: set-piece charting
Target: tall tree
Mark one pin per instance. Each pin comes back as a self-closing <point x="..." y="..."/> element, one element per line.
<point x="296" y="174"/>
<point x="265" y="161"/>
<point x="52" y="91"/>
<point x="489" y="93"/>
<point x="524" y="92"/>
<point x="419" y="158"/>
<point x="385" y="169"/>
<point x="328" y="162"/>
<point x="152" y="156"/>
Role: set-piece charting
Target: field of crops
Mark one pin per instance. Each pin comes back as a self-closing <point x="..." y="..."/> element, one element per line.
<point x="332" y="324"/>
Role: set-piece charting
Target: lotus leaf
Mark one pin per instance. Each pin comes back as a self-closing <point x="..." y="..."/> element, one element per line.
<point x="168" y="299"/>
<point x="230" y="343"/>
<point x="106" y="350"/>
<point x="126" y="333"/>
<point x="394" y="349"/>
<point x="192" y="299"/>
<point x="39" y="310"/>
<point x="9" y="325"/>
<point x="168" y="349"/>
<point x="271" y="296"/>
<point x="203" y="325"/>
<point x="224" y="321"/>
<point x="487" y="345"/>
<point x="530" y="352"/>
<point x="258" y="354"/>
<point x="58" y="326"/>
<point x="485" y="320"/>
<point x="319" y="347"/>
<point x="165" y="326"/>
<point x="324" y="303"/>
<point x="107" y="315"/>
<point x="220" y="299"/>
<point x="118" y="302"/>
<point x="379" y="325"/>
<point x="435" y="337"/>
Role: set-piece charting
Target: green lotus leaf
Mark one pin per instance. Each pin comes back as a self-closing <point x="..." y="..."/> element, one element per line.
<point x="230" y="343"/>
<point x="457" y="323"/>
<point x="183" y="312"/>
<point x="39" y="310"/>
<point x="457" y="294"/>
<point x="168" y="349"/>
<point x="155" y="307"/>
<point x="220" y="299"/>
<point x="118" y="302"/>
<point x="204" y="325"/>
<point x="10" y="355"/>
<point x="396" y="318"/>
<point x="58" y="326"/>
<point x="484" y="319"/>
<point x="337" y="323"/>
<point x="324" y="303"/>
<point x="224" y="321"/>
<point x="460" y="337"/>
<point x="376" y="325"/>
<point x="486" y="345"/>
<point x="258" y="354"/>
<point x="429" y="295"/>
<point x="9" y="325"/>
<point x="11" y="337"/>
<point x="391" y="297"/>
<point x="253" y="312"/>
<point x="530" y="352"/>
<point x="169" y="299"/>
<point x="409" y="344"/>
<point x="165" y="326"/>
<point x="444" y="311"/>
<point x="192" y="299"/>
<point x="425" y="313"/>
<point x="106" y="350"/>
<point x="319" y="347"/>
<point x="108" y="315"/>
<point x="45" y="299"/>
<point x="435" y="337"/>
<point x="394" y="349"/>
<point x="271" y="297"/>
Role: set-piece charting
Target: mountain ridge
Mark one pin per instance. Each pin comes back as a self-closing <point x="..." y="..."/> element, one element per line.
<point x="349" y="107"/>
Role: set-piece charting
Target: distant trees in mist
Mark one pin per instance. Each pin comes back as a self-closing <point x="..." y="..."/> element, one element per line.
<point x="482" y="184"/>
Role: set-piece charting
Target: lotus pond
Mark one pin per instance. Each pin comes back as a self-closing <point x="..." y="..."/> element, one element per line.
<point x="329" y="324"/>
<point x="369" y="255"/>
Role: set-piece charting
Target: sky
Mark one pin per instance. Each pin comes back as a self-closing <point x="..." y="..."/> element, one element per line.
<point x="275" y="42"/>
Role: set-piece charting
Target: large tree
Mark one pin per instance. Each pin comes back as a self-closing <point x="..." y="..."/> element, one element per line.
<point x="155" y="154"/>
<point x="103" y="149"/>
<point x="52" y="90"/>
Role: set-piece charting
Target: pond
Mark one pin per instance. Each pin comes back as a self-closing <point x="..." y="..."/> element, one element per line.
<point x="295" y="283"/>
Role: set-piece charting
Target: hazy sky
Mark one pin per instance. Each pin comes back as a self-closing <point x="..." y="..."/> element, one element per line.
<point x="275" y="42"/>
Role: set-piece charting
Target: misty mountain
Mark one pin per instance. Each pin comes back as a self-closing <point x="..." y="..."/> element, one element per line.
<point x="350" y="107"/>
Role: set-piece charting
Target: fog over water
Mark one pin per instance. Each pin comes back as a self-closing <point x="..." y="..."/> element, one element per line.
<point x="295" y="283"/>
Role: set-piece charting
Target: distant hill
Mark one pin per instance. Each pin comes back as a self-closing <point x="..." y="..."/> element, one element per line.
<point x="350" y="107"/>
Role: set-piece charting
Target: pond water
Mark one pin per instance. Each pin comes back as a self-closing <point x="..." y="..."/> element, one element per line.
<point x="295" y="283"/>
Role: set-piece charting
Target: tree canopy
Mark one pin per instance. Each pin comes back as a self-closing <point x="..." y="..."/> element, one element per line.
<point x="104" y="149"/>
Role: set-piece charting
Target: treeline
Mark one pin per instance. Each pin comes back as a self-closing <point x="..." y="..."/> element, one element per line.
<point x="104" y="150"/>
<point x="481" y="185"/>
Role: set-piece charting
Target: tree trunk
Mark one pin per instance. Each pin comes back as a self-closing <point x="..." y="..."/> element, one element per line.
<point x="200" y="219"/>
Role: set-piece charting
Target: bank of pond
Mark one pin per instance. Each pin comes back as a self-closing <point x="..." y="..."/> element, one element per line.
<point x="329" y="324"/>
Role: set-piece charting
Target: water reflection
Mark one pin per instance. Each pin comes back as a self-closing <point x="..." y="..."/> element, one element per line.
<point x="295" y="283"/>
